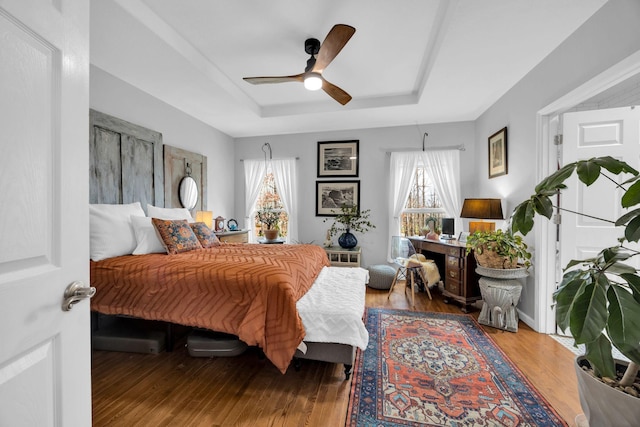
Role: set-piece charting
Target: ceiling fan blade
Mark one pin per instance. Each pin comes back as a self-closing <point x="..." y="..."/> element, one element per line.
<point x="332" y="45"/>
<point x="335" y="92"/>
<point x="276" y="79"/>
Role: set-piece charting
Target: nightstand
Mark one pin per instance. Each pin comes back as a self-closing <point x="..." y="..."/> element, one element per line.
<point x="238" y="236"/>
<point x="341" y="257"/>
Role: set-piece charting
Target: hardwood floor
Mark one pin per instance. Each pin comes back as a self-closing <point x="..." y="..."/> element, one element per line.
<point x="174" y="389"/>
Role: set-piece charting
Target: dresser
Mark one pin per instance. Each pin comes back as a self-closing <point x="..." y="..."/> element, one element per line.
<point x="458" y="270"/>
<point x="341" y="257"/>
<point x="238" y="236"/>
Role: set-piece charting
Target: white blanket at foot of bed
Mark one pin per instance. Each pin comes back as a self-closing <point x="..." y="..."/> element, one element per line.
<point x="332" y="310"/>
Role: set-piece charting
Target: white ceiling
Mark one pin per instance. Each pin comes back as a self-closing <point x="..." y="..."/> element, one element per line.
<point x="410" y="61"/>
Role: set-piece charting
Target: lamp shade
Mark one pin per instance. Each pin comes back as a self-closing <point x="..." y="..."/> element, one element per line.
<point x="482" y="209"/>
<point x="206" y="217"/>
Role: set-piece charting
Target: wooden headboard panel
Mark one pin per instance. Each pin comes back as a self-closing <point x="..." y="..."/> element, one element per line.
<point x="126" y="162"/>
<point x="175" y="161"/>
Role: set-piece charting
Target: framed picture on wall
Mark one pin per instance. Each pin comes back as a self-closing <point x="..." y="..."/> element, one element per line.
<point x="332" y="195"/>
<point x="498" y="153"/>
<point x="338" y="159"/>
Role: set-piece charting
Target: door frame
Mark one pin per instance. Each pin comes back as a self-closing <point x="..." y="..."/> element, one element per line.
<point x="544" y="236"/>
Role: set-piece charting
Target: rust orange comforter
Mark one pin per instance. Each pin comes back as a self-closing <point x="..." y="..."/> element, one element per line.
<point x="249" y="290"/>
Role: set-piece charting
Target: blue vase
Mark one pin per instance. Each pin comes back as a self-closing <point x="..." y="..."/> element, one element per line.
<point x="347" y="240"/>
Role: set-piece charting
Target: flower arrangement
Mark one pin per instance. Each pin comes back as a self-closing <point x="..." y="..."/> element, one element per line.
<point x="350" y="219"/>
<point x="269" y="218"/>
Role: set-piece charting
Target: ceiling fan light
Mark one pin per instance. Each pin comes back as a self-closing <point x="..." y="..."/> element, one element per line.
<point x="312" y="81"/>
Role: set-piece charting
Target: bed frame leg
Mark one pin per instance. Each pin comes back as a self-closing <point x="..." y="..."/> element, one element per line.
<point x="347" y="371"/>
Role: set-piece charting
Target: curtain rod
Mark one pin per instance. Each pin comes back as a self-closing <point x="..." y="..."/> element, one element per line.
<point x="242" y="160"/>
<point x="441" y="148"/>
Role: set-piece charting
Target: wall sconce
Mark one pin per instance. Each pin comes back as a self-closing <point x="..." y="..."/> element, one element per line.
<point x="482" y="209"/>
<point x="206" y="217"/>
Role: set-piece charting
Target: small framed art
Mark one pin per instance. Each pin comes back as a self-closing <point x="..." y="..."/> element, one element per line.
<point x="332" y="195"/>
<point x="338" y="159"/>
<point x="498" y="153"/>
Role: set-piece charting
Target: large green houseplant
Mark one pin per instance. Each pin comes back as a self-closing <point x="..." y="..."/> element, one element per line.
<point x="598" y="299"/>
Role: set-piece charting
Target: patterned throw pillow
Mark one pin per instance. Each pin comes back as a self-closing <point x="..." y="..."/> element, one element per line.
<point x="176" y="235"/>
<point x="204" y="234"/>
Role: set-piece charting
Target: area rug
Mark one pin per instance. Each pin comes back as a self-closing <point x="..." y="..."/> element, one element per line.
<point x="437" y="369"/>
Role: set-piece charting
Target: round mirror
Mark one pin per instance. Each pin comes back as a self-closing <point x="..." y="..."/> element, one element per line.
<point x="188" y="192"/>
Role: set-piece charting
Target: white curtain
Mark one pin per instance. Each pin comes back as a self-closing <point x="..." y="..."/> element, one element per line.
<point x="254" y="171"/>
<point x="285" y="176"/>
<point x="443" y="167"/>
<point x="401" y="170"/>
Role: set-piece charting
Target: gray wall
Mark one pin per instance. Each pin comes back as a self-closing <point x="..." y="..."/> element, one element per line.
<point x="609" y="36"/>
<point x="373" y="176"/>
<point x="115" y="97"/>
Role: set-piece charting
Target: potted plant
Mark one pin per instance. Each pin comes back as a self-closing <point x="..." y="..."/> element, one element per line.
<point x="499" y="249"/>
<point x="350" y="219"/>
<point x="598" y="299"/>
<point x="269" y="219"/>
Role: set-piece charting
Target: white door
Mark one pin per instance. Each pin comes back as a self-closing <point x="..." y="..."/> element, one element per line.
<point x="612" y="132"/>
<point x="45" y="359"/>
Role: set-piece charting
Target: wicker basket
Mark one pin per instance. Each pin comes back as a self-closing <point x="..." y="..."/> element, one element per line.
<point x="491" y="259"/>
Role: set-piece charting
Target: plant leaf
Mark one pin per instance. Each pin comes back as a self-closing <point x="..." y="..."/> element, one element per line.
<point x="633" y="281"/>
<point x="556" y="179"/>
<point x="588" y="171"/>
<point x="627" y="217"/>
<point x="573" y="284"/>
<point x="598" y="353"/>
<point x="631" y="197"/>
<point x="522" y="218"/>
<point x="614" y="165"/>
<point x="632" y="230"/>
<point x="588" y="316"/>
<point x="543" y="205"/>
<point x="623" y="326"/>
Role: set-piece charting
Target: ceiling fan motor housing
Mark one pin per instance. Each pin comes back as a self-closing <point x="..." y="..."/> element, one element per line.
<point x="312" y="46"/>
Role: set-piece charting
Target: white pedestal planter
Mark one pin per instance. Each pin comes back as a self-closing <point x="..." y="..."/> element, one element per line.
<point x="500" y="289"/>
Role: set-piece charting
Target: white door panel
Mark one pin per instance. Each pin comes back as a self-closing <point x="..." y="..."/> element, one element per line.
<point x="45" y="351"/>
<point x="612" y="132"/>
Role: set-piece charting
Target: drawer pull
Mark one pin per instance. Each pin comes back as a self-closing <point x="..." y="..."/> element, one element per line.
<point x="452" y="273"/>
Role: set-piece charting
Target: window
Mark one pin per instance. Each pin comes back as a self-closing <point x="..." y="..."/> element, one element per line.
<point x="423" y="202"/>
<point x="270" y="199"/>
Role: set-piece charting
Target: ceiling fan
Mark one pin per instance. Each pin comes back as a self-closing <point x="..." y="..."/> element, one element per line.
<point x="321" y="57"/>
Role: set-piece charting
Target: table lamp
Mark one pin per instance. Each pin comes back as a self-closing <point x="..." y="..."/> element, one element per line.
<point x="482" y="209"/>
<point x="206" y="217"/>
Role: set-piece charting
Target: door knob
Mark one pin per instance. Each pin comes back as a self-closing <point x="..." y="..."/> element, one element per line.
<point x="76" y="292"/>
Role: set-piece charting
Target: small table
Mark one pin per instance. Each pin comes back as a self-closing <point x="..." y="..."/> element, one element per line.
<point x="271" y="242"/>
<point x="500" y="289"/>
<point x="341" y="257"/>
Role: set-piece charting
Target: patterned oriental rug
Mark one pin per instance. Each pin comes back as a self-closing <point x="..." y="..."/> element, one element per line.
<point x="436" y="369"/>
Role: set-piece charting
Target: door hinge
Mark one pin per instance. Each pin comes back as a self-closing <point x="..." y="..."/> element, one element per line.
<point x="557" y="140"/>
<point x="557" y="219"/>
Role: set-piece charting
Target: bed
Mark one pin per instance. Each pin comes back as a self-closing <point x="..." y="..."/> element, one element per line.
<point x="248" y="290"/>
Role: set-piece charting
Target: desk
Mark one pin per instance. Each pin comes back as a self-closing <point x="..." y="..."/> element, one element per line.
<point x="460" y="278"/>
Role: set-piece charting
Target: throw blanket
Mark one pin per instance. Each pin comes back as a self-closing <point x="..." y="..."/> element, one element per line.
<point x="248" y="290"/>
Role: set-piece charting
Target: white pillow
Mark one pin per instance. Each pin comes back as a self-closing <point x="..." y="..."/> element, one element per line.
<point x="146" y="236"/>
<point x="169" y="213"/>
<point x="110" y="230"/>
